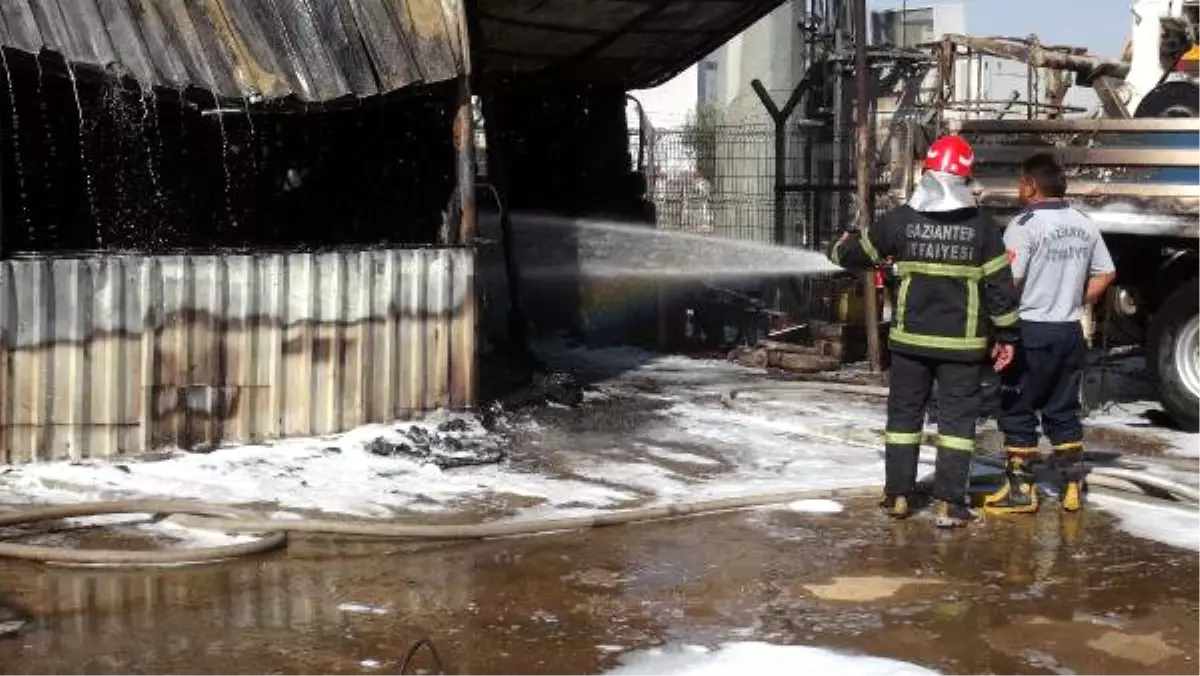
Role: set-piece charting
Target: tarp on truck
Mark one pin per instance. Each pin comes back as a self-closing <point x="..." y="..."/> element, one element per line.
<point x="322" y="50"/>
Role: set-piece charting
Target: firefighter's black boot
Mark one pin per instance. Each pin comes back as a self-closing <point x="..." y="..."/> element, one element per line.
<point x="1017" y="493"/>
<point x="951" y="514"/>
<point x="895" y="506"/>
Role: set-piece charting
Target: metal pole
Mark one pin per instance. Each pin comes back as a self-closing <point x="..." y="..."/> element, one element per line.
<point x="464" y="134"/>
<point x="862" y="76"/>
<point x="839" y="123"/>
<point x="497" y="170"/>
<point x="465" y="377"/>
<point x="1029" y="77"/>
<point x="780" y="181"/>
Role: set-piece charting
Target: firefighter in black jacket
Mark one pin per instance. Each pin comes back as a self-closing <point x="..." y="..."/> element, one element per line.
<point x="956" y="293"/>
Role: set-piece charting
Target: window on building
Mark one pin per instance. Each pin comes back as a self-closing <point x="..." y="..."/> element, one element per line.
<point x="904" y="28"/>
<point x="706" y="84"/>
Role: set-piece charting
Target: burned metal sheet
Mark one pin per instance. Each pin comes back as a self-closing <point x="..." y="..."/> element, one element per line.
<point x="315" y="50"/>
<point x="323" y="50"/>
<point x="123" y="354"/>
<point x="632" y="43"/>
<point x="1133" y="176"/>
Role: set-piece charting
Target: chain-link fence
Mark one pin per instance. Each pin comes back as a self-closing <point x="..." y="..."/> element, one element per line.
<point x="722" y="181"/>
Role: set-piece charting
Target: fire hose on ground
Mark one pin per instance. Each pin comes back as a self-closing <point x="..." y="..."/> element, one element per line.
<point x="273" y="533"/>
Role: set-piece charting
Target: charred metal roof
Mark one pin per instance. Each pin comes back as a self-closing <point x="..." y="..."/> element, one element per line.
<point x="317" y="50"/>
<point x="636" y="43"/>
<point x="321" y="50"/>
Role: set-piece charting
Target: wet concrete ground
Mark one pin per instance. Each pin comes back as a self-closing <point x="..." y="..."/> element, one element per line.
<point x="1051" y="594"/>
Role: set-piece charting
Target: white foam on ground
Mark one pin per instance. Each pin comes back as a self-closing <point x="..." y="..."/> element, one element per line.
<point x="362" y="609"/>
<point x="1135" y="416"/>
<point x="756" y="449"/>
<point x="186" y="537"/>
<point x="815" y="506"/>
<point x="335" y="474"/>
<point x="763" y="443"/>
<point x="1178" y="527"/>
<point x="760" y="659"/>
<point x="677" y="456"/>
<point x="180" y="536"/>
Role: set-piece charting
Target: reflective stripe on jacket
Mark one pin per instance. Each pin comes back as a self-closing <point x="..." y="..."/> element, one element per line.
<point x="956" y="288"/>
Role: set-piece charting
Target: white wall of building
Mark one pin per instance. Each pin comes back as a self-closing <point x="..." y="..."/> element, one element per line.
<point x="770" y="50"/>
<point x="670" y="104"/>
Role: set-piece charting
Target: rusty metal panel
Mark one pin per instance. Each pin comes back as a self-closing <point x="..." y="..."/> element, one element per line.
<point x="123" y="354"/>
<point x="1149" y="124"/>
<point x="315" y="51"/>
<point x="1107" y="157"/>
<point x="1133" y="176"/>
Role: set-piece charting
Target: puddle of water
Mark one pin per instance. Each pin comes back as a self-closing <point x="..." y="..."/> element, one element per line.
<point x="573" y="603"/>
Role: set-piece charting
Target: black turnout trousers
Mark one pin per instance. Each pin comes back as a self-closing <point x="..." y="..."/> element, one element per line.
<point x="912" y="380"/>
<point x="1043" y="385"/>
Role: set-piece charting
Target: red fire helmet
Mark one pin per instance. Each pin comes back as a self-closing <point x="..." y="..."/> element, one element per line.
<point x="952" y="155"/>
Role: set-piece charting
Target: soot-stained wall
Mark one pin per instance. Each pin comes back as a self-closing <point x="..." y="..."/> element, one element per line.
<point x="565" y="148"/>
<point x="150" y="172"/>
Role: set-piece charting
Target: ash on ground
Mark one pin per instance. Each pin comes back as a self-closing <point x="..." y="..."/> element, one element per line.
<point x="450" y="445"/>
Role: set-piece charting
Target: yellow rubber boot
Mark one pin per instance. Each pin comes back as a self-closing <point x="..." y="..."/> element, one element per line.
<point x="1072" y="496"/>
<point x="1017" y="493"/>
<point x="1069" y="459"/>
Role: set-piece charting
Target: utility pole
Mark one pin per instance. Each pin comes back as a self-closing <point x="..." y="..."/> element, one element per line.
<point x="862" y="80"/>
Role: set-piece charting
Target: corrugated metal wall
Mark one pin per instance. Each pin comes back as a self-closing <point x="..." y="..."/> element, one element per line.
<point x="122" y="354"/>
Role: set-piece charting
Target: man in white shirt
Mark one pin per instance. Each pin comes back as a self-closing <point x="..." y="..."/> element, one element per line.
<point x="1059" y="263"/>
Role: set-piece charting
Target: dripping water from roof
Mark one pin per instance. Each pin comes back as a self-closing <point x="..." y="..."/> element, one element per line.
<point x="16" y="138"/>
<point x="85" y="170"/>
<point x="150" y="123"/>
<point x="216" y="99"/>
<point x="51" y="142"/>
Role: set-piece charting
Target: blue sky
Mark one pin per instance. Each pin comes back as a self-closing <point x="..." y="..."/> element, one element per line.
<point x="1100" y="25"/>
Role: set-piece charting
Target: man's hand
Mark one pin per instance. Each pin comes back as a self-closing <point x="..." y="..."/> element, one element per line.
<point x="1002" y="356"/>
<point x="1096" y="286"/>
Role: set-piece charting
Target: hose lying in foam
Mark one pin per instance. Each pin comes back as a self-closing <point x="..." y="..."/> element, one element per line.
<point x="109" y="557"/>
<point x="274" y="532"/>
<point x="231" y="520"/>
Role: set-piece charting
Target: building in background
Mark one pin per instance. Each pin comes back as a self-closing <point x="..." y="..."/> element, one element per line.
<point x="772" y="50"/>
<point x="707" y="144"/>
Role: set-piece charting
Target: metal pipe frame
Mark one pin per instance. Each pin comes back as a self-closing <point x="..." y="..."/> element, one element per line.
<point x="866" y="198"/>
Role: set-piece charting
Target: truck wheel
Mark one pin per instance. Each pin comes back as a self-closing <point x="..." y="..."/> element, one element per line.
<point x="1176" y="98"/>
<point x="1174" y="354"/>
